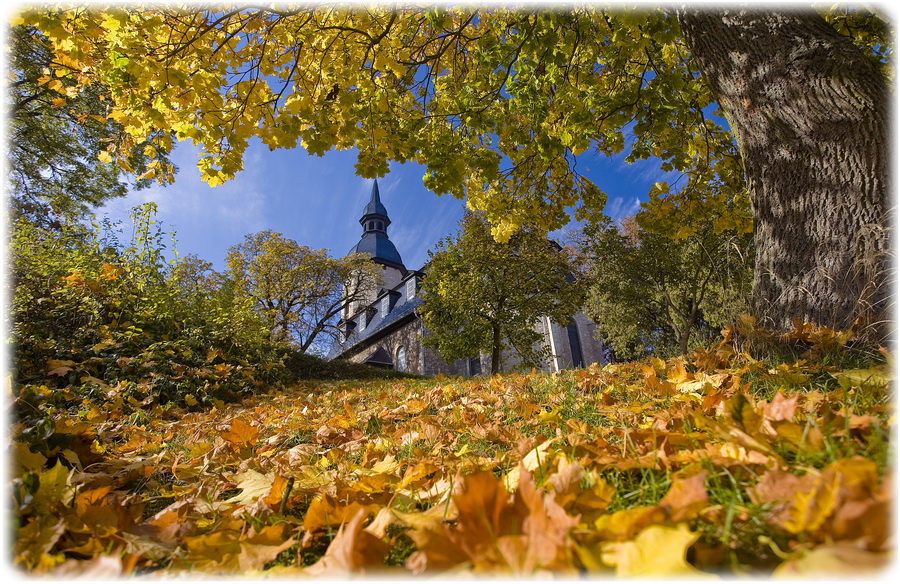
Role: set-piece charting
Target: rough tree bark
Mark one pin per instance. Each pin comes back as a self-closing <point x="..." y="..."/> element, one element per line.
<point x="810" y="114"/>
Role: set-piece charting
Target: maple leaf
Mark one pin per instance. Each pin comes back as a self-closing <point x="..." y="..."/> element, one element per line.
<point x="545" y="529"/>
<point x="537" y="457"/>
<point x="657" y="551"/>
<point x="55" y="489"/>
<point x="846" y="501"/>
<point x="524" y="533"/>
<point x="232" y="551"/>
<point x="686" y="497"/>
<point x="254" y="485"/>
<point x="36" y="538"/>
<point x="327" y="510"/>
<point x="241" y="435"/>
<point x="625" y="524"/>
<point x="352" y="552"/>
<point x="162" y="533"/>
<point x="873" y="378"/>
<point x="839" y="559"/>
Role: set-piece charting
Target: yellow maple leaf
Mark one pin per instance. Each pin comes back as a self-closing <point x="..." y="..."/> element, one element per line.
<point x="809" y="509"/>
<point x="656" y="551"/>
<point x="254" y="485"/>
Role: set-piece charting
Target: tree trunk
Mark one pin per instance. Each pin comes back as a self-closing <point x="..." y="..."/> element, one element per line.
<point x="496" y="344"/>
<point x="810" y="114"/>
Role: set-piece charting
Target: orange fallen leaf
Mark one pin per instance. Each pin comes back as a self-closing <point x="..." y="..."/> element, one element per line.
<point x="240" y="433"/>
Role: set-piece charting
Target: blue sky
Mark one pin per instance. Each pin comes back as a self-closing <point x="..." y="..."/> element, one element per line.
<point x="317" y="201"/>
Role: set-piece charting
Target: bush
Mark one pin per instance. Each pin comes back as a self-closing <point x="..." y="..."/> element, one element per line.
<point x="107" y="322"/>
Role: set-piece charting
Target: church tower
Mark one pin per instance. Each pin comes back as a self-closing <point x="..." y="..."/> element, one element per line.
<point x="378" y="246"/>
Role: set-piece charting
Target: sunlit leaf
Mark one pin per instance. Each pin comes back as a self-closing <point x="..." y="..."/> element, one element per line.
<point x="240" y="433"/>
<point x="830" y="561"/>
<point x="657" y="551"/>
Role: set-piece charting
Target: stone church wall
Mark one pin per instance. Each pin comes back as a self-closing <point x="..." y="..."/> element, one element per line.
<point x="420" y="359"/>
<point x="408" y="336"/>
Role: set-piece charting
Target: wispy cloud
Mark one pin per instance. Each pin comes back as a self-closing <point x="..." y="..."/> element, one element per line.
<point x="195" y="210"/>
<point x="621" y="207"/>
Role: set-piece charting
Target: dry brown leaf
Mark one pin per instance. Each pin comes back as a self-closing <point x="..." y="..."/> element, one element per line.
<point x="686" y="497"/>
<point x="352" y="552"/>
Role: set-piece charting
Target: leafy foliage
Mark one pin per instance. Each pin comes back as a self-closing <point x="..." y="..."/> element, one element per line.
<point x="652" y="294"/>
<point x="497" y="103"/>
<point x="483" y="295"/>
<point x="710" y="463"/>
<point x="500" y="102"/>
<point x="297" y="290"/>
<point x="90" y="316"/>
<point x="55" y="133"/>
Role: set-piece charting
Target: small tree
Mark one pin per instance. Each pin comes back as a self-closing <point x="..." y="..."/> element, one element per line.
<point x="650" y="293"/>
<point x="483" y="295"/>
<point x="298" y="290"/>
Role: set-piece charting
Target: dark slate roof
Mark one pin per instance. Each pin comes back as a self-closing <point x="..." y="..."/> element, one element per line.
<point x="375" y="207"/>
<point x="399" y="314"/>
<point x="380" y="358"/>
<point x="377" y="245"/>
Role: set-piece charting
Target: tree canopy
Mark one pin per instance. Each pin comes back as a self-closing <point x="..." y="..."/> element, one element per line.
<point x="650" y="294"/>
<point x="481" y="295"/>
<point x="56" y="133"/>
<point x="499" y="103"/>
<point x="299" y="291"/>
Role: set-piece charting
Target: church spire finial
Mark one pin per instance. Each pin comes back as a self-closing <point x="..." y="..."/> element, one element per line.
<point x="375" y="207"/>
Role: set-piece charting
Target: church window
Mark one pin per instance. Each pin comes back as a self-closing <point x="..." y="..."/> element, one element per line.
<point x="575" y="345"/>
<point x="411" y="288"/>
<point x="385" y="305"/>
<point x="400" y="358"/>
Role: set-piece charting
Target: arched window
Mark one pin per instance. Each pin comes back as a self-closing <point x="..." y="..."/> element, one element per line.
<point x="400" y="359"/>
<point x="575" y="345"/>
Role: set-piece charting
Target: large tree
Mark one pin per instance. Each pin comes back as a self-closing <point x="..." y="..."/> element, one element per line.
<point x="481" y="295"/>
<point x="499" y="103"/>
<point x="298" y="290"/>
<point x="810" y="112"/>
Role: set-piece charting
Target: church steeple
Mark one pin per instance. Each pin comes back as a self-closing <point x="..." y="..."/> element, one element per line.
<point x="375" y="217"/>
<point x="374" y="239"/>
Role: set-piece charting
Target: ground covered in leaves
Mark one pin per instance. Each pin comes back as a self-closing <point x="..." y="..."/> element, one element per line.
<point x="718" y="464"/>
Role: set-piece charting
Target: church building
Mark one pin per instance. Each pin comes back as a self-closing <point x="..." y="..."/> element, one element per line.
<point x="384" y="329"/>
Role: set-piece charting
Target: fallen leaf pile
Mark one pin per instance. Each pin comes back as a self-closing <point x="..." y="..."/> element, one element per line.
<point x="711" y="464"/>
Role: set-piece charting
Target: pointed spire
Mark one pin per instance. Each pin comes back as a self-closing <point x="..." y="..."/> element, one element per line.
<point x="375" y="241"/>
<point x="375" y="207"/>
